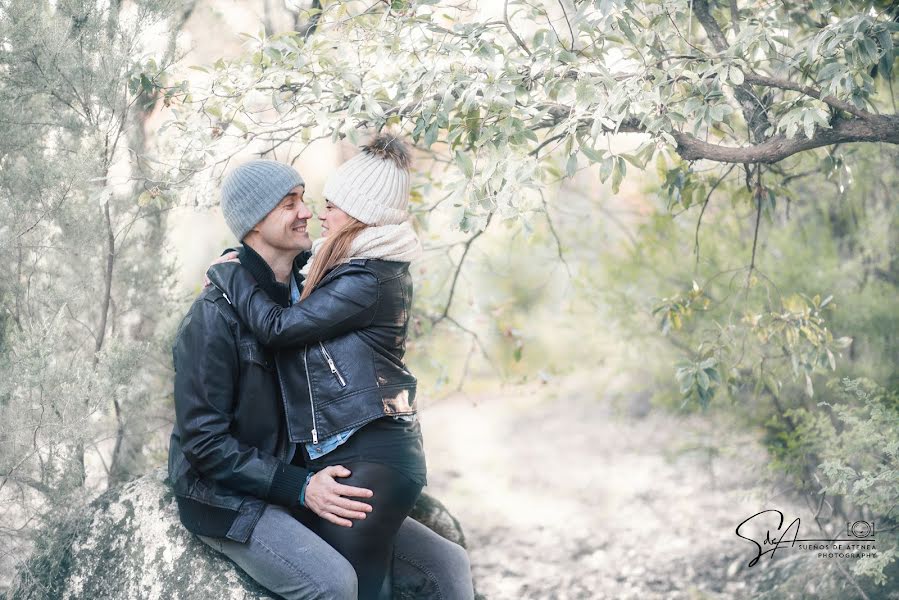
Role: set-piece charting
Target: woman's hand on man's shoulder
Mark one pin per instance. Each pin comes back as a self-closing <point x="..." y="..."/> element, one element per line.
<point x="228" y="257"/>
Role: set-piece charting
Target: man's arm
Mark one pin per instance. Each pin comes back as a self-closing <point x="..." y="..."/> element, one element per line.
<point x="345" y="304"/>
<point x="206" y="371"/>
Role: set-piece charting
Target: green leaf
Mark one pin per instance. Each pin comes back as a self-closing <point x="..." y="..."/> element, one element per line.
<point x="571" y="165"/>
<point x="843" y="342"/>
<point x="633" y="160"/>
<point x="431" y="134"/>
<point x="771" y="383"/>
<point x="702" y="380"/>
<point x="606" y="168"/>
<point x="592" y="154"/>
<point x="618" y="172"/>
<point x="463" y="160"/>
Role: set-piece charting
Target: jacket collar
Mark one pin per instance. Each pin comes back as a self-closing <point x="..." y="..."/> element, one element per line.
<point x="263" y="274"/>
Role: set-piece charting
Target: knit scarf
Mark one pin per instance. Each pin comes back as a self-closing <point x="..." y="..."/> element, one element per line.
<point x="384" y="242"/>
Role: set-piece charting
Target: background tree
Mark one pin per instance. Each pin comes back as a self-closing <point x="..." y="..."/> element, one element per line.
<point x="85" y="285"/>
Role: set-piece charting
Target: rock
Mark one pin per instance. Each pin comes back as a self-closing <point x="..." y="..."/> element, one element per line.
<point x="639" y="405"/>
<point x="131" y="545"/>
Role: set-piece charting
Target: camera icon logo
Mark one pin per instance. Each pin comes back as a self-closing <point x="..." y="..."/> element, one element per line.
<point x="860" y="529"/>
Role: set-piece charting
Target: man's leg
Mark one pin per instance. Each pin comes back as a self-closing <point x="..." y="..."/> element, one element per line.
<point x="285" y="557"/>
<point x="425" y="555"/>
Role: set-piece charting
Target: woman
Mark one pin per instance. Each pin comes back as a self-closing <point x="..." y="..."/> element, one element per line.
<point x="347" y="332"/>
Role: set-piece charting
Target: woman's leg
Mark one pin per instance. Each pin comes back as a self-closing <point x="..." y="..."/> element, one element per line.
<point x="368" y="544"/>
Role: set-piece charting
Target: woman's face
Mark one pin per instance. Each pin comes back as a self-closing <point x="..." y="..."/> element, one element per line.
<point x="332" y="219"/>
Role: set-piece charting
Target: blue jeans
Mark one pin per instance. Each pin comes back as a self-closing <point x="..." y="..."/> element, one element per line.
<point x="285" y="557"/>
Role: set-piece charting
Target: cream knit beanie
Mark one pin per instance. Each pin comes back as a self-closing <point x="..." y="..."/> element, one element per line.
<point x="373" y="186"/>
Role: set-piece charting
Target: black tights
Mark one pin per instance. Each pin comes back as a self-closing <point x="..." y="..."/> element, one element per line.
<point x="368" y="544"/>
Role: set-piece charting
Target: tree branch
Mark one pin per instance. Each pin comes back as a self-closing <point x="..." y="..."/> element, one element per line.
<point x="555" y="234"/>
<point x="753" y="108"/>
<point x="702" y="212"/>
<point x="107" y="282"/>
<point x="873" y="128"/>
<point x="708" y="22"/>
<point x="32" y="483"/>
<point x="735" y="15"/>
<point x="308" y="29"/>
<point x="468" y="243"/>
<point x="876" y="128"/>
<point x="759" y="190"/>
<point x="445" y="316"/>
<point x="508" y="25"/>
<point x="786" y="84"/>
<point x="570" y="30"/>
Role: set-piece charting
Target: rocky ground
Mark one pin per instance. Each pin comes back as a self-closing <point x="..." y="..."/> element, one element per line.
<point x="566" y="492"/>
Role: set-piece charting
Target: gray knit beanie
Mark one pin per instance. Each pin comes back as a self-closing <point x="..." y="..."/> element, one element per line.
<point x="373" y="186"/>
<point x="252" y="190"/>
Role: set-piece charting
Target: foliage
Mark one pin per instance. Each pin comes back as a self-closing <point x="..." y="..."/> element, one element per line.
<point x="519" y="101"/>
<point x="858" y="441"/>
<point x="83" y="296"/>
<point x="508" y="105"/>
<point x="817" y="304"/>
<point x="861" y="461"/>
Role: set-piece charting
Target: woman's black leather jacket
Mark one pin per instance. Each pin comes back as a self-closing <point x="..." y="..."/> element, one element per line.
<point x="342" y="366"/>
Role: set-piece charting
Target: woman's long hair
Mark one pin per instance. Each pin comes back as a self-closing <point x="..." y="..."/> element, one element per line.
<point x="333" y="252"/>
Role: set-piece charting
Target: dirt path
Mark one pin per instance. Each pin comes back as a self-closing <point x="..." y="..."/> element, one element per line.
<point x="563" y="494"/>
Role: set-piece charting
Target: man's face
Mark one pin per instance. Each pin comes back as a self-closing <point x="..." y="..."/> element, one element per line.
<point x="284" y="228"/>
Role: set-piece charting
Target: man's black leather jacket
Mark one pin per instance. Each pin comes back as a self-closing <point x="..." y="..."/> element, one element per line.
<point x="229" y="448"/>
<point x="345" y="343"/>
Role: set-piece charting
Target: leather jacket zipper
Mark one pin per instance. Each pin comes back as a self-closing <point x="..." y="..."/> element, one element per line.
<point x="332" y="365"/>
<point x="311" y="402"/>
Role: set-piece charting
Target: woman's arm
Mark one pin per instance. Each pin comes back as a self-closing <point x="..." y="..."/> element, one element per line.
<point x="344" y="304"/>
<point x="206" y="369"/>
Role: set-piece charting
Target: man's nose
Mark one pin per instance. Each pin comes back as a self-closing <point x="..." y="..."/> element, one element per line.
<point x="304" y="212"/>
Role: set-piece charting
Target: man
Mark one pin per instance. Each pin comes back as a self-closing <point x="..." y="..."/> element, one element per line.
<point x="239" y="482"/>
